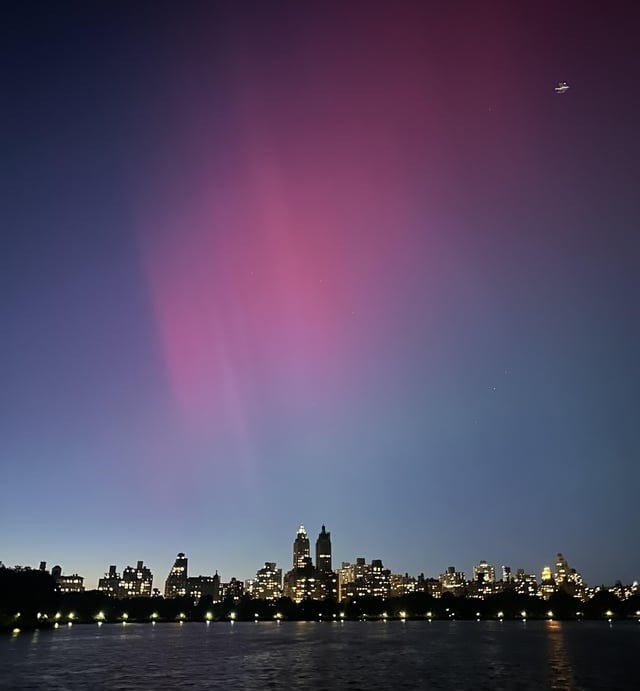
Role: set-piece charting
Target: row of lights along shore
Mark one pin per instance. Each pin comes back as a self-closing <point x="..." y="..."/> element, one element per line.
<point x="181" y="618"/>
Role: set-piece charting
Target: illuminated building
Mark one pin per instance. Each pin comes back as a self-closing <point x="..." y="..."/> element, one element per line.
<point x="233" y="590"/>
<point x="327" y="580"/>
<point x="562" y="569"/>
<point x="624" y="592"/>
<point x="400" y="585"/>
<point x="507" y="576"/>
<point x="352" y="579"/>
<point x="432" y="586"/>
<point x="70" y="584"/>
<point x="484" y="573"/>
<point x="267" y="584"/>
<point x="525" y="584"/>
<point x="378" y="580"/>
<point x="306" y="581"/>
<point x="176" y="583"/>
<point x="67" y="584"/>
<point x="301" y="584"/>
<point x="363" y="580"/>
<point x="568" y="580"/>
<point x="301" y="550"/>
<point x="136" y="582"/>
<point x="484" y="580"/>
<point x="329" y="586"/>
<point x="453" y="581"/>
<point x="547" y="584"/>
<point x="323" y="551"/>
<point x="204" y="586"/>
<point x="110" y="582"/>
<point x="346" y="575"/>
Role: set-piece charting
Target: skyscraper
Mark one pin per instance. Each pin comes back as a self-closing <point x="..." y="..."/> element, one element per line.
<point x="323" y="551"/>
<point x="301" y="550"/>
<point x="306" y="581"/>
<point x="562" y="569"/>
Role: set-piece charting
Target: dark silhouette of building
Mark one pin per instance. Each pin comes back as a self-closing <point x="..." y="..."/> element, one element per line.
<point x="323" y="551"/>
<point x="203" y="586"/>
<point x="176" y="583"/>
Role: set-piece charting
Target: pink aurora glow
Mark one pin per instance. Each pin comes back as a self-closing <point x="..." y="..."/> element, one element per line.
<point x="291" y="251"/>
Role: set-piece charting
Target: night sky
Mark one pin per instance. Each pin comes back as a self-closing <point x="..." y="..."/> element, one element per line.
<point x="352" y="263"/>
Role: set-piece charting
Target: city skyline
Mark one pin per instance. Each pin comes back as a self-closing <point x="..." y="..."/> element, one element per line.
<point x="368" y="263"/>
<point x="303" y="553"/>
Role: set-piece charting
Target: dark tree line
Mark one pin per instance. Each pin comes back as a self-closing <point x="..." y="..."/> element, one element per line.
<point x="31" y="593"/>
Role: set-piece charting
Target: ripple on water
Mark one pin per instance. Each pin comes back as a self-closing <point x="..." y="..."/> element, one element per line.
<point x="413" y="655"/>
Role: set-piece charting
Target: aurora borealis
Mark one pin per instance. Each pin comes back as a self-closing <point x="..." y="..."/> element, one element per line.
<point x="344" y="263"/>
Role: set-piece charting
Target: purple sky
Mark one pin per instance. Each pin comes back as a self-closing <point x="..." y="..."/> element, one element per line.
<point x="344" y="263"/>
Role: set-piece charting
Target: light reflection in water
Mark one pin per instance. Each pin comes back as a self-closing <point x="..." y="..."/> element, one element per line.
<point x="561" y="675"/>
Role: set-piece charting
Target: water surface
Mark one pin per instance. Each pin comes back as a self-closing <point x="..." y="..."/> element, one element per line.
<point x="308" y="655"/>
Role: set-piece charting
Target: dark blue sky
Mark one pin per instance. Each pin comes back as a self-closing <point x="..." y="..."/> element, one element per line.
<point x="354" y="264"/>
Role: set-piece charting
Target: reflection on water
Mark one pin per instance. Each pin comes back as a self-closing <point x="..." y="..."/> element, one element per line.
<point x="483" y="656"/>
<point x="561" y="675"/>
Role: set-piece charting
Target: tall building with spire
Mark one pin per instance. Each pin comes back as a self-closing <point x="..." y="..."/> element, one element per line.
<point x="323" y="551"/>
<point x="301" y="550"/>
<point x="306" y="581"/>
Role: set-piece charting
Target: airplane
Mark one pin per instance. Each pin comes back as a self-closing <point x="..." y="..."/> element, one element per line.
<point x="561" y="88"/>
